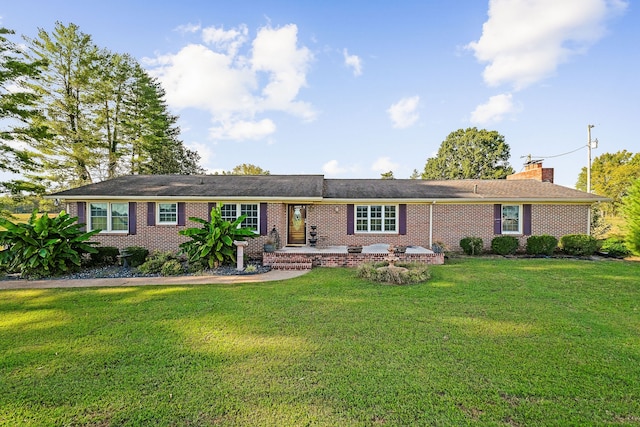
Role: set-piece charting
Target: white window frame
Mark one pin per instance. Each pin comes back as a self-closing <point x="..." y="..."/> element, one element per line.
<point x="158" y="221"/>
<point x="109" y="217"/>
<point x="504" y="218"/>
<point x="384" y="217"/>
<point x="238" y="209"/>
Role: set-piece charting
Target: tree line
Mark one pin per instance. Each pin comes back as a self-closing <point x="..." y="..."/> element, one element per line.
<point x="73" y="113"/>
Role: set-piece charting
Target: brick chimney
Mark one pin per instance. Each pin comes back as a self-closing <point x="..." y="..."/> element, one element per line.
<point x="534" y="170"/>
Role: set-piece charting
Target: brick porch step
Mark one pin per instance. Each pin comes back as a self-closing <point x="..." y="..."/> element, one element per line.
<point x="283" y="265"/>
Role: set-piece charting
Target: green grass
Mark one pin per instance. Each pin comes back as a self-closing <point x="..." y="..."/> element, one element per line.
<point x="485" y="342"/>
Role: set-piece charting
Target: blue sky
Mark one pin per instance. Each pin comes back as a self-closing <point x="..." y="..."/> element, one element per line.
<point x="352" y="89"/>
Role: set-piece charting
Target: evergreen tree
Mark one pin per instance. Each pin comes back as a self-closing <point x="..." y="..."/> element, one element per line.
<point x="631" y="211"/>
<point x="152" y="132"/>
<point x="17" y="105"/>
<point x="65" y="87"/>
<point x="104" y="114"/>
<point x="111" y="92"/>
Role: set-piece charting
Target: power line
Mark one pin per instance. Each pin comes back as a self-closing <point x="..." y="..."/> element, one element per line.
<point x="557" y="155"/>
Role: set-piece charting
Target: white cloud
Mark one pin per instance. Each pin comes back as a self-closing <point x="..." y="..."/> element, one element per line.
<point x="275" y="52"/>
<point x="229" y="41"/>
<point x="237" y="87"/>
<point x="333" y="169"/>
<point x="384" y="164"/>
<point x="524" y="41"/>
<point x="188" y="28"/>
<point x="354" y="62"/>
<point x="494" y="109"/>
<point x="403" y="113"/>
<point x="199" y="77"/>
<point x="243" y="130"/>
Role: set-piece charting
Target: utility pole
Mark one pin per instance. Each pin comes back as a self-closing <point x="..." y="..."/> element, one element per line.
<point x="589" y="146"/>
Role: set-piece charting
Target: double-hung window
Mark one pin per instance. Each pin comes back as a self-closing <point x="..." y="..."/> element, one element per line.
<point x="511" y="219"/>
<point x="376" y="219"/>
<point x="167" y="213"/>
<point x="109" y="217"/>
<point x="232" y="211"/>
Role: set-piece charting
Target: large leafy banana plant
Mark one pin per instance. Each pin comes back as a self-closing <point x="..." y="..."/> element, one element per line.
<point x="44" y="246"/>
<point x="212" y="244"/>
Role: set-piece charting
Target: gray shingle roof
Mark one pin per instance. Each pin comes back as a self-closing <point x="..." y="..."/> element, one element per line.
<point x="315" y="187"/>
<point x="472" y="189"/>
<point x="201" y="186"/>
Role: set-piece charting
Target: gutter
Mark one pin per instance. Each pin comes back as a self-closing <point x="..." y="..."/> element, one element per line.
<point x="185" y="198"/>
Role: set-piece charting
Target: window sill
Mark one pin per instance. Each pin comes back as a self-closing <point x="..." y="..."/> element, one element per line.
<point x="119" y="232"/>
<point x="378" y="233"/>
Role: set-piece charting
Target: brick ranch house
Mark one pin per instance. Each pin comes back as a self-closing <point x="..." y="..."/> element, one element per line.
<point x="149" y="210"/>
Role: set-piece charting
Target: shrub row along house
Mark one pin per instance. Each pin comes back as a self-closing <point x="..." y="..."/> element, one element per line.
<point x="149" y="210"/>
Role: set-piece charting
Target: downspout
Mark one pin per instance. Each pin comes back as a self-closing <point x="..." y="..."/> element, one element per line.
<point x="431" y="224"/>
<point x="589" y="221"/>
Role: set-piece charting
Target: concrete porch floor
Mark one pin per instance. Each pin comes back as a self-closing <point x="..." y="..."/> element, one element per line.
<point x="380" y="248"/>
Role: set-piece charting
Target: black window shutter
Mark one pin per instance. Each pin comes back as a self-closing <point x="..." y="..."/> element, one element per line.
<point x="263" y="219"/>
<point x="497" y="218"/>
<point x="210" y="206"/>
<point x="350" y="211"/>
<point x="526" y="224"/>
<point x="82" y="215"/>
<point x="151" y="213"/>
<point x="402" y="218"/>
<point x="132" y="217"/>
<point x="182" y="213"/>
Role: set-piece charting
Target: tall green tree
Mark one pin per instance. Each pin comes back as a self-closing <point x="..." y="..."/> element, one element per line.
<point x="631" y="212"/>
<point x="17" y="105"/>
<point x="152" y="132"/>
<point x="470" y="154"/>
<point x="110" y="93"/>
<point x="247" y="169"/>
<point x="65" y="88"/>
<point x="104" y="114"/>
<point x="387" y="175"/>
<point x="611" y="176"/>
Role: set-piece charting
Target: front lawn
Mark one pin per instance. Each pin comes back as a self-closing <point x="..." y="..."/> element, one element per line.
<point x="510" y="342"/>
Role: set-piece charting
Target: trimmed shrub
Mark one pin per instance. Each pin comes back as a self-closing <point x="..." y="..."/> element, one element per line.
<point x="153" y="265"/>
<point x="472" y="245"/>
<point x="196" y="266"/>
<point x="410" y="273"/>
<point x="578" y="244"/>
<point x="173" y="267"/>
<point x="504" y="245"/>
<point x="106" y="255"/>
<point x="138" y="255"/>
<point x="615" y="247"/>
<point x="541" y="245"/>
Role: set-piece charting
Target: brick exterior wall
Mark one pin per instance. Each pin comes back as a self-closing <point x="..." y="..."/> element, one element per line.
<point x="166" y="237"/>
<point x="452" y="222"/>
<point x="331" y="221"/>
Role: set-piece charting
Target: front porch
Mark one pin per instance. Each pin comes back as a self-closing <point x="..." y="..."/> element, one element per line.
<point x="306" y="257"/>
